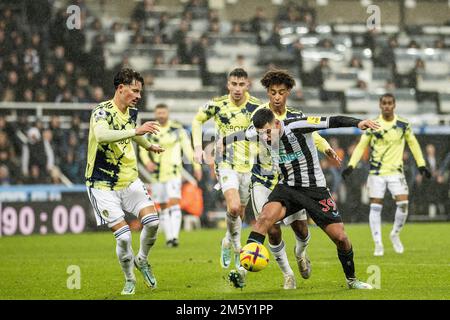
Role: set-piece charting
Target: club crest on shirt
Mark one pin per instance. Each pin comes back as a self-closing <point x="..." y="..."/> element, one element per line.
<point x="100" y="114"/>
<point x="105" y="213"/>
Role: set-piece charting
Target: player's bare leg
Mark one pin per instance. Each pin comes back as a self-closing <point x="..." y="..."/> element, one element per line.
<point x="150" y="222"/>
<point x="376" y="206"/>
<point x="271" y="213"/>
<point x="234" y="224"/>
<point x="124" y="252"/>
<point x="401" y="215"/>
<point x="336" y="233"/>
<point x="302" y="237"/>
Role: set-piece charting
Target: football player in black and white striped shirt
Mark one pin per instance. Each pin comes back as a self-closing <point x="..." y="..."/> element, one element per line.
<point x="302" y="184"/>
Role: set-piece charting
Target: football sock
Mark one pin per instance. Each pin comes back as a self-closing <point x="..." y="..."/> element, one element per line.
<point x="149" y="231"/>
<point x="124" y="251"/>
<point x="279" y="252"/>
<point x="400" y="216"/>
<point x="256" y="237"/>
<point x="375" y="222"/>
<point x="166" y="224"/>
<point x="234" y="225"/>
<point x="346" y="258"/>
<point x="301" y="244"/>
<point x="175" y="218"/>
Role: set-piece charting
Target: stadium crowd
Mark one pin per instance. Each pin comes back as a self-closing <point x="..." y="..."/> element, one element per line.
<point x="44" y="61"/>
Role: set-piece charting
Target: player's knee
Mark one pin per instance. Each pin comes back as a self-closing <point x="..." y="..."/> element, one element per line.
<point x="403" y="206"/>
<point x="300" y="228"/>
<point x="342" y="240"/>
<point x="124" y="241"/>
<point x="150" y="222"/>
<point x="234" y="210"/>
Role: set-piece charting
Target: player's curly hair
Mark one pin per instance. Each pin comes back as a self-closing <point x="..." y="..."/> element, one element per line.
<point x="277" y="77"/>
<point x="126" y="76"/>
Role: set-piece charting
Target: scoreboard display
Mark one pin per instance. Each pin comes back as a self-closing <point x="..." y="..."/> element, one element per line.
<point x="42" y="209"/>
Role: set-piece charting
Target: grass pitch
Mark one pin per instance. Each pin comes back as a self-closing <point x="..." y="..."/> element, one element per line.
<point x="36" y="267"/>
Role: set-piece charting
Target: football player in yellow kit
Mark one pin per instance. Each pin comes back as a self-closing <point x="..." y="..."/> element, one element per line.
<point x="386" y="169"/>
<point x="112" y="177"/>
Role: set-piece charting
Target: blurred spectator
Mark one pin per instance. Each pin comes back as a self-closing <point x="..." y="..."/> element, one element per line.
<point x="58" y="59"/>
<point x="143" y="11"/>
<point x="158" y="60"/>
<point x="199" y="57"/>
<point x="31" y="60"/>
<point x="361" y="84"/>
<point x="439" y="44"/>
<point x="318" y="74"/>
<point x="257" y="24"/>
<point x="236" y="28"/>
<point x="181" y="33"/>
<point x="326" y="43"/>
<point x="214" y="27"/>
<point x="390" y="86"/>
<point x="275" y="38"/>
<point x="96" y="66"/>
<point x="37" y="155"/>
<point x="5" y="178"/>
<point x="38" y="13"/>
<point x="72" y="159"/>
<point x="28" y="95"/>
<point x="57" y="133"/>
<point x="7" y="153"/>
<point x="197" y="8"/>
<point x="413" y="45"/>
<point x="386" y="57"/>
<point x="355" y="63"/>
<point x="415" y="73"/>
<point x="297" y="49"/>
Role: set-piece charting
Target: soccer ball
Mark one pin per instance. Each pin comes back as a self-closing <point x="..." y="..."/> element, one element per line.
<point x="254" y="257"/>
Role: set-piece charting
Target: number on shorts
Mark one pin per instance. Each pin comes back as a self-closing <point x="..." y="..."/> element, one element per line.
<point x="328" y="204"/>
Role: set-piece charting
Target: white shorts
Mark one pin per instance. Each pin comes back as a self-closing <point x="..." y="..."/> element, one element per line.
<point x="259" y="196"/>
<point x="109" y="205"/>
<point x="230" y="179"/>
<point x="163" y="191"/>
<point x="377" y="185"/>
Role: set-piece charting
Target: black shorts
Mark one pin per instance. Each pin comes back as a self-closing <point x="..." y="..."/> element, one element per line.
<point x="317" y="201"/>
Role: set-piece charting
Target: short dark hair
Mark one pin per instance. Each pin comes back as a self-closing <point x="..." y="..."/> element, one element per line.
<point x="262" y="117"/>
<point x="277" y="77"/>
<point x="161" y="106"/>
<point x="387" y="95"/>
<point x="126" y="76"/>
<point x="238" y="73"/>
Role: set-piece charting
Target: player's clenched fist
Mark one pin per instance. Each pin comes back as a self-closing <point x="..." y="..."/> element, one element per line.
<point x="151" y="127"/>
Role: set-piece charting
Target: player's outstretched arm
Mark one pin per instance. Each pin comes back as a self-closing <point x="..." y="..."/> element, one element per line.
<point x="344" y="121"/>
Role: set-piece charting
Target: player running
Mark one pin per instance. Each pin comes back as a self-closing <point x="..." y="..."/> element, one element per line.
<point x="386" y="169"/>
<point x="165" y="169"/>
<point x="302" y="184"/>
<point x="278" y="84"/>
<point x="231" y="113"/>
<point x="112" y="177"/>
